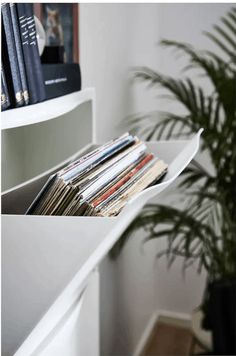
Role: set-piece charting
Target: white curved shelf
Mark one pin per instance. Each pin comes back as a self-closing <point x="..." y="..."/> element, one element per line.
<point x="79" y="243"/>
<point x="47" y="110"/>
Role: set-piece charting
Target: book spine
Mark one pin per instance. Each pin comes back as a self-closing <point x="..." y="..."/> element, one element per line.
<point x="35" y="51"/>
<point x="11" y="48"/>
<point x="5" y="99"/>
<point x="29" y="64"/>
<point x="7" y="70"/>
<point x="19" y="52"/>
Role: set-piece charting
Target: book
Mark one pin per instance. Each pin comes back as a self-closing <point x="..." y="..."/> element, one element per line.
<point x="5" y="99"/>
<point x="10" y="47"/>
<point x="27" y="55"/>
<point x="19" y="52"/>
<point x="6" y="70"/>
<point x="35" y="58"/>
<point x="101" y="182"/>
<point x="61" y="79"/>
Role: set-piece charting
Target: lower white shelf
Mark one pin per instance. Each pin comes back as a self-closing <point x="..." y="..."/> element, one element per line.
<point x="48" y="259"/>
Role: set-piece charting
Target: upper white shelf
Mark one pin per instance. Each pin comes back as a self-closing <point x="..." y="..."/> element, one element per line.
<point x="46" y="110"/>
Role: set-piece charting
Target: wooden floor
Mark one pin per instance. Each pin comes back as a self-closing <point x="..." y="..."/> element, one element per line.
<point x="168" y="339"/>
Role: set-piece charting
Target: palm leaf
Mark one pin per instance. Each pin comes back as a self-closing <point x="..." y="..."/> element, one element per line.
<point x="231" y="26"/>
<point x="205" y="228"/>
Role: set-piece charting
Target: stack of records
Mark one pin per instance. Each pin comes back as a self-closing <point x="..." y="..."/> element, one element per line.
<point x="101" y="182"/>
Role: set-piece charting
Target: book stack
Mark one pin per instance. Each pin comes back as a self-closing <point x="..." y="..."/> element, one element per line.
<point x="101" y="182"/>
<point x="21" y="72"/>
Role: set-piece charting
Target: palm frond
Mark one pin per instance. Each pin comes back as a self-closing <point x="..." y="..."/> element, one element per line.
<point x="221" y="73"/>
<point x="229" y="24"/>
<point x="222" y="46"/>
<point x="204" y="229"/>
<point x="224" y="40"/>
<point x="186" y="236"/>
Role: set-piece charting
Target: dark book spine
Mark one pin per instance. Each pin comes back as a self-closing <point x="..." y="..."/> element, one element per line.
<point x="35" y="51"/>
<point x="5" y="99"/>
<point x="29" y="64"/>
<point x="7" y="69"/>
<point x="11" y="48"/>
<point x="19" y="52"/>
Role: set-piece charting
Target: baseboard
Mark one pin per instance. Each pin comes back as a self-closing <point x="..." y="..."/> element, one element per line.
<point x="146" y="333"/>
<point x="175" y="318"/>
<point x="163" y="314"/>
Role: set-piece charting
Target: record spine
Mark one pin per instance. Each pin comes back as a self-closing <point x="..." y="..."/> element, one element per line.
<point x="29" y="64"/>
<point x="12" y="56"/>
<point x="19" y="52"/>
<point x="35" y="52"/>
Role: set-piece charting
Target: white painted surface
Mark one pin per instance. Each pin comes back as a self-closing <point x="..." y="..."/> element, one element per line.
<point x="104" y="40"/>
<point x="51" y="256"/>
<point x="114" y="38"/>
<point x="53" y="131"/>
<point x="146" y="334"/>
<point x="47" y="110"/>
<point x="77" y="332"/>
<point x="46" y="262"/>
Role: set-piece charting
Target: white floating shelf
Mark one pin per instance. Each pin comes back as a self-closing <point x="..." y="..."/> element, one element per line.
<point x="55" y="255"/>
<point x="47" y="110"/>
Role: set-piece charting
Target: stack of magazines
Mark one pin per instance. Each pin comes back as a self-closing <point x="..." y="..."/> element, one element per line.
<point x="101" y="182"/>
<point x="21" y="72"/>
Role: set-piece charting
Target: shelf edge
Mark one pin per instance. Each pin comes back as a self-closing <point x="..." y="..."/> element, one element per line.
<point x="41" y="112"/>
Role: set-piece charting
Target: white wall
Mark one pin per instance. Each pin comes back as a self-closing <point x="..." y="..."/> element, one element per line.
<point x="114" y="38"/>
<point x="104" y="47"/>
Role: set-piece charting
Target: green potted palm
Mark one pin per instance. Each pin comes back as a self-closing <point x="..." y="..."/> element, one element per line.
<point x="204" y="230"/>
